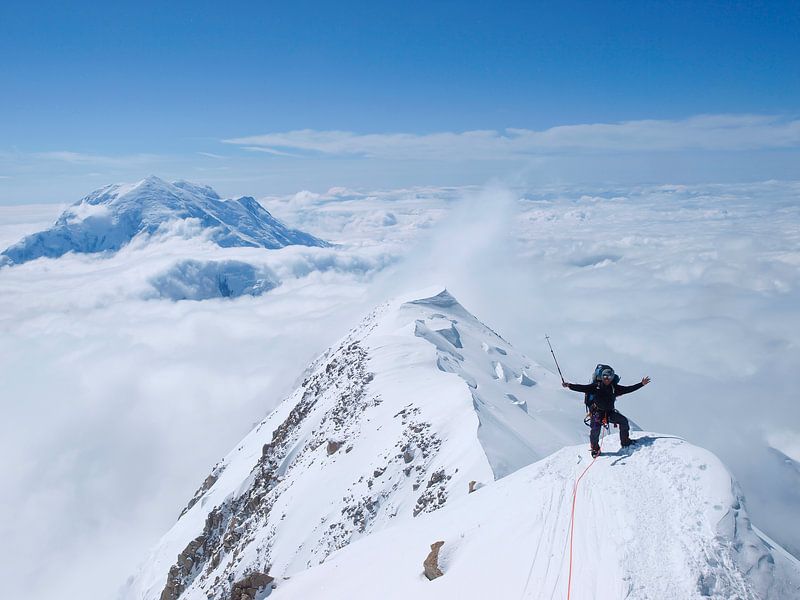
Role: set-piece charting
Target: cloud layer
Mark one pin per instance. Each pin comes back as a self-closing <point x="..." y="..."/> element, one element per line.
<point x="704" y="132"/>
<point x="697" y="149"/>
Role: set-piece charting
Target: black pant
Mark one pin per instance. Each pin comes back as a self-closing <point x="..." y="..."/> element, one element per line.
<point x="613" y="417"/>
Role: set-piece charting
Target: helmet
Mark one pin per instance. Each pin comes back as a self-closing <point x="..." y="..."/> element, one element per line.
<point x="607" y="370"/>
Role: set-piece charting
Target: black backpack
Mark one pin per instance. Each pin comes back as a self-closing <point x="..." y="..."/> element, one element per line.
<point x="588" y="398"/>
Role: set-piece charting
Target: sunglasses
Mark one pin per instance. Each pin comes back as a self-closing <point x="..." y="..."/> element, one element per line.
<point x="606" y="376"/>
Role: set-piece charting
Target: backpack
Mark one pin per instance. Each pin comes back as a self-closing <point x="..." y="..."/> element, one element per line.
<point x="588" y="398"/>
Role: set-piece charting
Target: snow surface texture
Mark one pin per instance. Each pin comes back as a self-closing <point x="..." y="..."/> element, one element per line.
<point x="379" y="447"/>
<point x="661" y="521"/>
<point x="109" y="218"/>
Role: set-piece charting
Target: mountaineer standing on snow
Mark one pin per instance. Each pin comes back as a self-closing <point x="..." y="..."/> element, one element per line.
<point x="600" y="397"/>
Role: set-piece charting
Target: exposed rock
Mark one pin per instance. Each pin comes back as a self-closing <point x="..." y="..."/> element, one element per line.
<point x="229" y="522"/>
<point x="209" y="481"/>
<point x="435" y="494"/>
<point x="181" y="573"/>
<point x="333" y="447"/>
<point x="437" y="477"/>
<point x="472" y="486"/>
<point x="431" y="563"/>
<point x="360" y="512"/>
<point x="249" y="587"/>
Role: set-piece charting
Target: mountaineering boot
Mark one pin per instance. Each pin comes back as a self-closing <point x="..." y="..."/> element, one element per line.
<point x="628" y="442"/>
<point x="595" y="451"/>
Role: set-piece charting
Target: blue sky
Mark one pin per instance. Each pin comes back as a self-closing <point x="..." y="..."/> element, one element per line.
<point x="97" y="94"/>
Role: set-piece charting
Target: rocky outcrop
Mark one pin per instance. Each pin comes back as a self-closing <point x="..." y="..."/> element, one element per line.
<point x="181" y="573"/>
<point x="431" y="563"/>
<point x="211" y="557"/>
<point x="435" y="494"/>
<point x="250" y="587"/>
<point x="209" y="481"/>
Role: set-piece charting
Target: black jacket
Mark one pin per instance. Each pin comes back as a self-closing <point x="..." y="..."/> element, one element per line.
<point x="604" y="396"/>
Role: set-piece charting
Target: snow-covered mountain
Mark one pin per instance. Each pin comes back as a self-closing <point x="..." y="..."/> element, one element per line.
<point x="663" y="521"/>
<point x="374" y="457"/>
<point x="109" y="218"/>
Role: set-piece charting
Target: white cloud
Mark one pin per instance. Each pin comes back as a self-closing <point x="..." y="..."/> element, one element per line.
<point x="106" y="395"/>
<point x="703" y="132"/>
<point x="267" y="150"/>
<point x="80" y="158"/>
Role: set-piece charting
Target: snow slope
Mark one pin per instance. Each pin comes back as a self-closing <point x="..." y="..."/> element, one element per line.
<point x="109" y="218"/>
<point x="371" y="460"/>
<point x="662" y="521"/>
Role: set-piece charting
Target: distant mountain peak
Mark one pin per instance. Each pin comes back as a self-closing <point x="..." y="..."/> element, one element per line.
<point x="110" y="217"/>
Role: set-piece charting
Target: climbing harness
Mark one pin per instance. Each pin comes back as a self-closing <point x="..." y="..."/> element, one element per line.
<point x="587" y="420"/>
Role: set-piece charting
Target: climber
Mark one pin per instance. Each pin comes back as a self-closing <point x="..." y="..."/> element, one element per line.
<point x="600" y="397"/>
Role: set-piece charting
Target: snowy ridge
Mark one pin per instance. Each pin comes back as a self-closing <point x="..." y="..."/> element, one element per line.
<point x="383" y="429"/>
<point x="109" y="218"/>
<point x="663" y="521"/>
<point x="373" y="457"/>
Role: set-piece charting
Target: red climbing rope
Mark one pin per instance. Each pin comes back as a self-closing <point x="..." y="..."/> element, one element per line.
<point x="572" y="516"/>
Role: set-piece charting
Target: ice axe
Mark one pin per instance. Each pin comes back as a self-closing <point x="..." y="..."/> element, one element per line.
<point x="554" y="357"/>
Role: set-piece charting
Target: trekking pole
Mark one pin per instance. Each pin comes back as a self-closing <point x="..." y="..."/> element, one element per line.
<point x="554" y="357"/>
